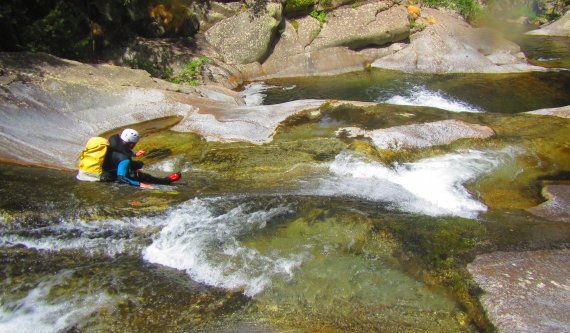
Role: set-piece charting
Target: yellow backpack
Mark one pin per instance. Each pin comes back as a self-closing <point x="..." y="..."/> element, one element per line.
<point x="91" y="159"/>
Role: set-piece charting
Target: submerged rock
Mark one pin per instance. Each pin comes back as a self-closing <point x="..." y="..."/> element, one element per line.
<point x="420" y="135"/>
<point x="525" y="291"/>
<point x="557" y="206"/>
<point x="450" y="45"/>
<point x="563" y="112"/>
<point x="561" y="27"/>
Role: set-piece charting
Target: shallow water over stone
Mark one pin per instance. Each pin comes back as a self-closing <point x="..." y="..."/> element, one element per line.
<point x="310" y="232"/>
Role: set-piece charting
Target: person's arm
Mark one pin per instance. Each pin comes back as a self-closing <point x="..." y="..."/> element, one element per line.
<point x="122" y="172"/>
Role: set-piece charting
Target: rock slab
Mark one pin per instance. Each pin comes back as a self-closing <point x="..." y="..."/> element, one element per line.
<point x="557" y="206"/>
<point x="420" y="135"/>
<point x="561" y="27"/>
<point x="525" y="292"/>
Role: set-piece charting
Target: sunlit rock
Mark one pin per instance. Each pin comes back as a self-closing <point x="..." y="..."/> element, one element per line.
<point x="561" y="27"/>
<point x="525" y="291"/>
<point x="420" y="135"/>
<point x="50" y="106"/>
<point x="255" y="124"/>
<point x="451" y="45"/>
<point x="563" y="112"/>
<point x="369" y="25"/>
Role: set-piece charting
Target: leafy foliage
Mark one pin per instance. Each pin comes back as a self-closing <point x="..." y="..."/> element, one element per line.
<point x="192" y="72"/>
<point x="468" y="8"/>
<point x="320" y="15"/>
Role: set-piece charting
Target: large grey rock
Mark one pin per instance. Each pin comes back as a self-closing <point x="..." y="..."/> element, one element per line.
<point x="292" y="55"/>
<point x="420" y="135"/>
<point x="451" y="45"/>
<point x="50" y="107"/>
<point x="525" y="292"/>
<point x="245" y="38"/>
<point x="373" y="24"/>
<point x="255" y="124"/>
<point x="561" y="27"/>
<point x="557" y="204"/>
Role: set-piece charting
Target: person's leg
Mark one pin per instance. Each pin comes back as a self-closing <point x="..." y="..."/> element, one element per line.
<point x="146" y="178"/>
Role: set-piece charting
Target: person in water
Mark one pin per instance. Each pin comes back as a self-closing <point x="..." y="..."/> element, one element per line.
<point x="119" y="166"/>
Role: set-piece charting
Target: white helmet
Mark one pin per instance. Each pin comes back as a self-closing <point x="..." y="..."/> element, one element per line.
<point x="130" y="136"/>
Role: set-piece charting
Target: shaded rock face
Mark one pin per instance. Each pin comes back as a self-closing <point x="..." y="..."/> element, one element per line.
<point x="556" y="208"/>
<point x="420" y="135"/>
<point x="561" y="27"/>
<point x="245" y="38"/>
<point x="451" y="45"/>
<point x="525" y="292"/>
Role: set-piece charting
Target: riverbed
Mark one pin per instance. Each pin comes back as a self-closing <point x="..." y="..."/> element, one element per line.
<point x="309" y="232"/>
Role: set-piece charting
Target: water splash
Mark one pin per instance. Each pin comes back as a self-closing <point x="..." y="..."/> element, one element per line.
<point x="255" y="93"/>
<point x="40" y="312"/>
<point x="422" y="96"/>
<point x="109" y="237"/>
<point x="433" y="186"/>
<point x="208" y="246"/>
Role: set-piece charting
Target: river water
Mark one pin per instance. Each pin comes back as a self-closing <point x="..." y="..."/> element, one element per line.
<point x="307" y="233"/>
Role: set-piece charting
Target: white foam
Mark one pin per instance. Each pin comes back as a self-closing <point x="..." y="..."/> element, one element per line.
<point x="92" y="238"/>
<point x="422" y="96"/>
<point x="207" y="246"/>
<point x="433" y="186"/>
<point x="40" y="313"/>
<point x="254" y="93"/>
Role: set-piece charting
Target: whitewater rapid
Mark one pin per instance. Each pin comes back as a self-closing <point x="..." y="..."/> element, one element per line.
<point x="433" y="186"/>
<point x="420" y="95"/>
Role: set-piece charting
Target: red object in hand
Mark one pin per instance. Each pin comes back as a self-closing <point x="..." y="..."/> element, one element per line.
<point x="175" y="176"/>
<point x="139" y="153"/>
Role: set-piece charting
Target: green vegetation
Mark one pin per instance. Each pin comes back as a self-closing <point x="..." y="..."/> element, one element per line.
<point x="468" y="8"/>
<point x="192" y="72"/>
<point x="298" y="6"/>
<point x="320" y="15"/>
<point x="155" y="69"/>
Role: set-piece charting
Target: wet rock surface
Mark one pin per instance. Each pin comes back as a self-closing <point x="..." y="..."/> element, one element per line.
<point x="563" y="112"/>
<point x="420" y="135"/>
<point x="557" y="206"/>
<point x="525" y="291"/>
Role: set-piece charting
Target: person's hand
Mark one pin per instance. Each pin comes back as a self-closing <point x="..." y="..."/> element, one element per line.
<point x="139" y="153"/>
<point x="146" y="186"/>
